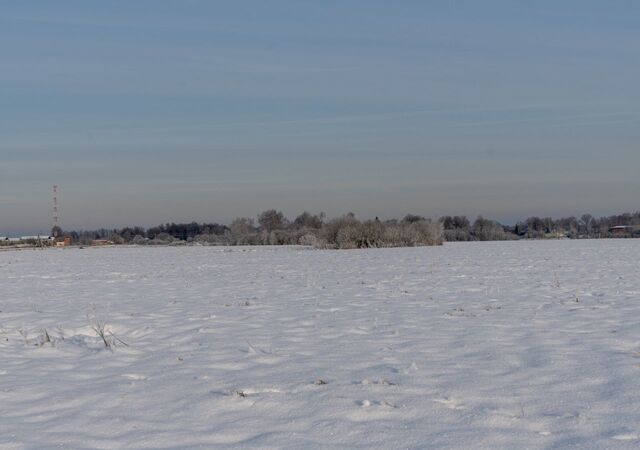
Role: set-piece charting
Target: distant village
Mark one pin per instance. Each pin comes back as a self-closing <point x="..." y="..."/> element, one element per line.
<point x="43" y="241"/>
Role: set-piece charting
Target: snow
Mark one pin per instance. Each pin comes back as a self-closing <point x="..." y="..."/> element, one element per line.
<point x="529" y="344"/>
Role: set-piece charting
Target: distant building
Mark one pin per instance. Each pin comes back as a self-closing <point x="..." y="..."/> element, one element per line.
<point x="26" y="240"/>
<point x="34" y="238"/>
<point x="100" y="242"/>
<point x="625" y="229"/>
<point x="64" y="242"/>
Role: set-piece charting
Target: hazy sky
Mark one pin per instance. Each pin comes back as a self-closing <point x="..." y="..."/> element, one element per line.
<point x="152" y="111"/>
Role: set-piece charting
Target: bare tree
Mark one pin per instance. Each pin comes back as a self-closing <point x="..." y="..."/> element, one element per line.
<point x="307" y="220"/>
<point x="271" y="220"/>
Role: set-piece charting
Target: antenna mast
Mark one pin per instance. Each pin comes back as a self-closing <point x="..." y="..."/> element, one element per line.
<point x="55" y="211"/>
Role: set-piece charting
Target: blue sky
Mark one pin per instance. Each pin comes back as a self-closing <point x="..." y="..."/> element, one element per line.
<point x="152" y="111"/>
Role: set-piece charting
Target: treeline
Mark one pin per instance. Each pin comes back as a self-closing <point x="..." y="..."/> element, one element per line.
<point x="459" y="228"/>
<point x="271" y="227"/>
<point x="621" y="225"/>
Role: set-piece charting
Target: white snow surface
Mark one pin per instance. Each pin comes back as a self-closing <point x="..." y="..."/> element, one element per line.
<point x="529" y="344"/>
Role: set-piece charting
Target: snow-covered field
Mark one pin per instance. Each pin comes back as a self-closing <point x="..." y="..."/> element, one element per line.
<point x="474" y="345"/>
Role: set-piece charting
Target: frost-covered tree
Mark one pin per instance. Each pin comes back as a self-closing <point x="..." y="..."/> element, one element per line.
<point x="411" y="218"/>
<point x="271" y="220"/>
<point x="308" y="220"/>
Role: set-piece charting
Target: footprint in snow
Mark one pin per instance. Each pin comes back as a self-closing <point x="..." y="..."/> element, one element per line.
<point x="135" y="376"/>
<point x="358" y="330"/>
<point x="373" y="403"/>
<point x="378" y="382"/>
<point x="450" y="403"/>
<point x="626" y="437"/>
<point x="412" y="368"/>
<point x="243" y="393"/>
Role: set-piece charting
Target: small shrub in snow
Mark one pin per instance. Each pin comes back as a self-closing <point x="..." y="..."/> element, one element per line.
<point x="109" y="339"/>
<point x="44" y="338"/>
<point x="41" y="339"/>
<point x="99" y="327"/>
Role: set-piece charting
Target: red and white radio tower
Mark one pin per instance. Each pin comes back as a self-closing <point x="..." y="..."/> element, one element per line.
<point x="55" y="211"/>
